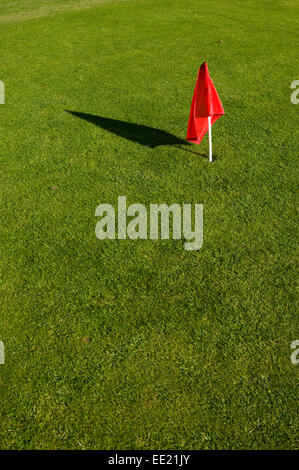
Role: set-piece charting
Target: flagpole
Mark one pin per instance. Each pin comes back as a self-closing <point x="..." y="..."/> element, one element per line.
<point x="210" y="140"/>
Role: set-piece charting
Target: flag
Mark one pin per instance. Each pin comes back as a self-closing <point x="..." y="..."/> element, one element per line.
<point x="205" y="103"/>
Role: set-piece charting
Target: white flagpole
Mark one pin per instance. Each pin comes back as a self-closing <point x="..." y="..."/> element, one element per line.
<point x="210" y="140"/>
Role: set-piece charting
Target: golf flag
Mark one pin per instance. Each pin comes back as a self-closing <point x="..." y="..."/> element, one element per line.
<point x="206" y="108"/>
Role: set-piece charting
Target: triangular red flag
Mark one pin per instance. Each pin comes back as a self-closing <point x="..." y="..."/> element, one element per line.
<point x="205" y="103"/>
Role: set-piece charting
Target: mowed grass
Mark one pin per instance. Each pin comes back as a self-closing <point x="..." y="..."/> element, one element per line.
<point x="185" y="350"/>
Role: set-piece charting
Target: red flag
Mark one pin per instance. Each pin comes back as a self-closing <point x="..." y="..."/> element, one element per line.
<point x="205" y="103"/>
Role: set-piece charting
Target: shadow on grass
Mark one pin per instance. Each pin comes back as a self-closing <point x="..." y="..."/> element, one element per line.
<point x="197" y="153"/>
<point x="144" y="135"/>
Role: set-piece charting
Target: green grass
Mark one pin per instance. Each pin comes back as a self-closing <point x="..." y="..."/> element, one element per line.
<point x="189" y="350"/>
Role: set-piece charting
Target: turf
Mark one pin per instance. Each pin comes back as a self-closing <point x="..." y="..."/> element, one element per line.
<point x="140" y="344"/>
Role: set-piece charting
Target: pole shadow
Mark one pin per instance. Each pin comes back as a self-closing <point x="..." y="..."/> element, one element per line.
<point x="199" y="154"/>
<point x="144" y="135"/>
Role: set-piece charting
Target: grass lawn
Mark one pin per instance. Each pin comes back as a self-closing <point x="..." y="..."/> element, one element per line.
<point x="184" y="350"/>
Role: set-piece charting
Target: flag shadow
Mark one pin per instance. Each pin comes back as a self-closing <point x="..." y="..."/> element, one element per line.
<point x="144" y="135"/>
